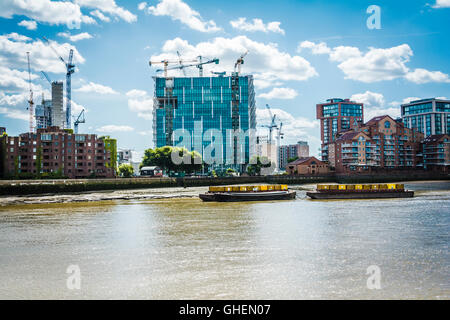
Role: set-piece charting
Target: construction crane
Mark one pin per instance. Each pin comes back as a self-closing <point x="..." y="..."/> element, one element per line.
<point x="166" y="63"/>
<point x="70" y="69"/>
<point x="181" y="62"/>
<point x="280" y="135"/>
<point x="199" y="65"/>
<point x="80" y="119"/>
<point x="47" y="77"/>
<point x="30" y="101"/>
<point x="272" y="125"/>
<point x="220" y="74"/>
<point x="239" y="62"/>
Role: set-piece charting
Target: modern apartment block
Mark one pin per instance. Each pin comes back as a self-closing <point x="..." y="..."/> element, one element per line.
<point x="43" y="114"/>
<point x="382" y="142"/>
<point x="429" y="116"/>
<point x="57" y="111"/>
<point x="198" y="104"/>
<point x="59" y="151"/>
<point x="337" y="115"/>
<point x="436" y="152"/>
<point x="299" y="150"/>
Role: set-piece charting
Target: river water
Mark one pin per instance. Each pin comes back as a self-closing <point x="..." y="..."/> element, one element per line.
<point x="161" y="247"/>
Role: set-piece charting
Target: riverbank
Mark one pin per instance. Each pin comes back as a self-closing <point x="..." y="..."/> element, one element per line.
<point x="67" y="186"/>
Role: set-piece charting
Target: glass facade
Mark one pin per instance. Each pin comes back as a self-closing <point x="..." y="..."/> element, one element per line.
<point x="205" y="102"/>
<point x="427" y="116"/>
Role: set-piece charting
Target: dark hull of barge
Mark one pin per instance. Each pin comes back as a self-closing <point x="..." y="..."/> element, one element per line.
<point x="247" y="196"/>
<point x="360" y="195"/>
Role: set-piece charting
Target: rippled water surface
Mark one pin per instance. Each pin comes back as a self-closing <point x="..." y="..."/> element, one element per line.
<point x="183" y="248"/>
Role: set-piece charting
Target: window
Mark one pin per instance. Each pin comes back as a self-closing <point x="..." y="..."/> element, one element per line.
<point x="387" y="124"/>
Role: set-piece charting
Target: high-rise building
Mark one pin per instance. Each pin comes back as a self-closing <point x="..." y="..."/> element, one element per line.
<point x="429" y="116"/>
<point x="43" y="114"/>
<point x="57" y="113"/>
<point x="195" y="105"/>
<point x="299" y="150"/>
<point x="337" y="115"/>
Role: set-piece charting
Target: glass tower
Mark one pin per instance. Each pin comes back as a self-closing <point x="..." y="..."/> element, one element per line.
<point x="197" y="104"/>
<point x="429" y="116"/>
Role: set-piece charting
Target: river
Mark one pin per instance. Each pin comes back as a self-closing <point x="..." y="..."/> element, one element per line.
<point x="170" y="246"/>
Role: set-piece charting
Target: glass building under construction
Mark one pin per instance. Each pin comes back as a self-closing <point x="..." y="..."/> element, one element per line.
<point x="197" y="104"/>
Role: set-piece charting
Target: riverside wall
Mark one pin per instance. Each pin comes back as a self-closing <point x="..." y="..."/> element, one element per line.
<point x="28" y="187"/>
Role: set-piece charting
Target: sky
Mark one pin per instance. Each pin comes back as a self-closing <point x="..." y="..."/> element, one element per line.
<point x="299" y="52"/>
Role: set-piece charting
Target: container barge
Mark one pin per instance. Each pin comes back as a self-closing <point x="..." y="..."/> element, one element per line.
<point x="360" y="191"/>
<point x="248" y="193"/>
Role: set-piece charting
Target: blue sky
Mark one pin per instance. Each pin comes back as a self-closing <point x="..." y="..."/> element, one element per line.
<point x="301" y="51"/>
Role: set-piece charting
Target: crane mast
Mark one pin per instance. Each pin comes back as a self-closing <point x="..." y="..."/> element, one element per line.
<point x="30" y="101"/>
<point x="70" y="69"/>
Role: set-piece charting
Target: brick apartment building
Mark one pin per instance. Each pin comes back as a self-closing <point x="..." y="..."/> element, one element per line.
<point x="381" y="143"/>
<point x="436" y="152"/>
<point x="72" y="155"/>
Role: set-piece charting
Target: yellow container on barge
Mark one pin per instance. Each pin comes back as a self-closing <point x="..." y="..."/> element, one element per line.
<point x="248" y="193"/>
<point x="360" y="191"/>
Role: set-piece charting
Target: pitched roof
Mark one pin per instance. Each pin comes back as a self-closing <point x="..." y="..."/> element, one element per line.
<point x="302" y="160"/>
<point x="378" y="118"/>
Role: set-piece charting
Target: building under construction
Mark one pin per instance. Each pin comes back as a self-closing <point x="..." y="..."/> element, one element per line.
<point x="221" y="102"/>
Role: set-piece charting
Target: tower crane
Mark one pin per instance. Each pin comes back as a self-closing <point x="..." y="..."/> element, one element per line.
<point x="280" y="134"/>
<point x="272" y="125"/>
<point x="80" y="119"/>
<point x="46" y="77"/>
<point x="166" y="63"/>
<point x="199" y="65"/>
<point x="239" y="62"/>
<point x="30" y="101"/>
<point x="70" y="69"/>
<point x="220" y="74"/>
<point x="181" y="62"/>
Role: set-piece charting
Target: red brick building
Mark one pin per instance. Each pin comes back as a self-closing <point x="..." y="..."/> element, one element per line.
<point x="59" y="151"/>
<point x="337" y="115"/>
<point x="308" y="165"/>
<point x="382" y="143"/>
<point x="436" y="152"/>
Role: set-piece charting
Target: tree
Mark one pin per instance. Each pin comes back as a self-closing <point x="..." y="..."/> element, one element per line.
<point x="257" y="163"/>
<point x="292" y="159"/>
<point x="126" y="170"/>
<point x="162" y="157"/>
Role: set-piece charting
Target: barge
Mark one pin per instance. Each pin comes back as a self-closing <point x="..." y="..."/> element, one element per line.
<point x="360" y="191"/>
<point x="248" y="193"/>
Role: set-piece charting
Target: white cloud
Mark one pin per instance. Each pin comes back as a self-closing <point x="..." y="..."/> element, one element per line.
<point x="404" y="101"/>
<point x="99" y="15"/>
<point x="51" y="12"/>
<point x="279" y="93"/>
<point x="13" y="54"/>
<point x="257" y="25"/>
<point x="115" y="128"/>
<point x="15" y="81"/>
<point x="376" y="64"/>
<point x="109" y="7"/>
<point x="374" y="105"/>
<point x="142" y="6"/>
<point x="442" y="4"/>
<point x="92" y="87"/>
<point x="265" y="61"/>
<point x="140" y="102"/>
<point x="423" y="76"/>
<point x="370" y="99"/>
<point x="29" y="24"/>
<point x="316" y="48"/>
<point x="15" y="113"/>
<point x="179" y="10"/>
<point x="17" y="37"/>
<point x="76" y="37"/>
